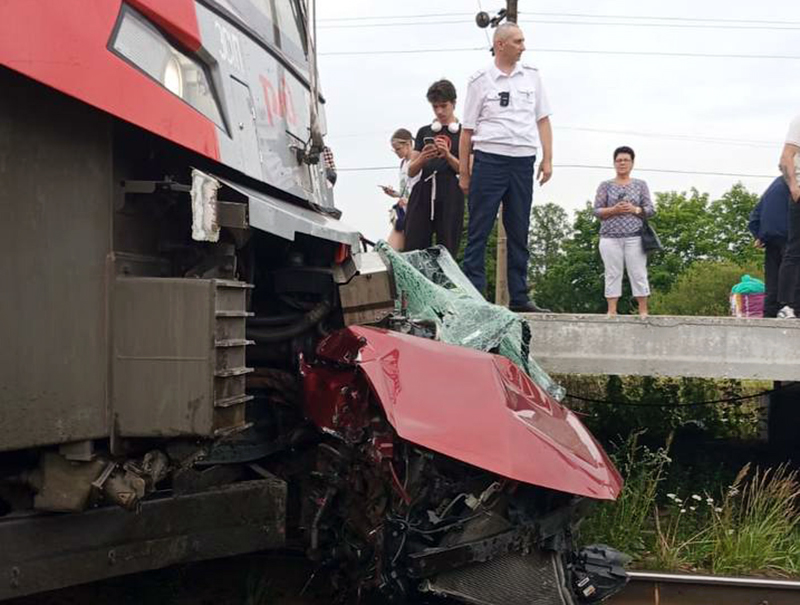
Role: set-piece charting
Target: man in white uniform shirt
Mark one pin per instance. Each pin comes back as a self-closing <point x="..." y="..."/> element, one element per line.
<point x="789" y="277"/>
<point x="506" y="122"/>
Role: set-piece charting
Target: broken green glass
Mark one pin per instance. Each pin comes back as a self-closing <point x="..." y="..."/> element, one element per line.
<point x="431" y="287"/>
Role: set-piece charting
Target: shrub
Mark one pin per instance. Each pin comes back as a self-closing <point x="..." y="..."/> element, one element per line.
<point x="703" y="289"/>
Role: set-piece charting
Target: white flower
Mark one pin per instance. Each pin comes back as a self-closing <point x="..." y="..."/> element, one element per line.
<point x="672" y="496"/>
<point x="683" y="510"/>
<point x="730" y="532"/>
<point x="709" y="500"/>
<point x="693" y="508"/>
<point x="718" y="510"/>
<point x="696" y="497"/>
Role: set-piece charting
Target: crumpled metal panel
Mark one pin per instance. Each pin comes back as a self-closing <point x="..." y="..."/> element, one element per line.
<point x="478" y="408"/>
<point x="287" y="220"/>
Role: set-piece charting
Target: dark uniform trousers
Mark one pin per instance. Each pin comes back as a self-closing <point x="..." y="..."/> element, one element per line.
<point x="789" y="280"/>
<point x="774" y="255"/>
<point x="497" y="178"/>
<point x="448" y="214"/>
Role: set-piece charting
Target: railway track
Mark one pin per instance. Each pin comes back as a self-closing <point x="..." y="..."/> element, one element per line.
<point x="648" y="588"/>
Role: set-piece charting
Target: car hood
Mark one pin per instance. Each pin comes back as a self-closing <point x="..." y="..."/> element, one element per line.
<point x="476" y="407"/>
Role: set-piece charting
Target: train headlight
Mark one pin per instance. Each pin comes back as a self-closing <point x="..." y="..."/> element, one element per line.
<point x="143" y="45"/>
<point x="173" y="77"/>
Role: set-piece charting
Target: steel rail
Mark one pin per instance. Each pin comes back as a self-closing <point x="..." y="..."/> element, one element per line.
<point x="646" y="576"/>
<point x="657" y="588"/>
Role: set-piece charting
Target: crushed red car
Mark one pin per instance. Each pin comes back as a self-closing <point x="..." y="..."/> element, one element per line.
<point x="449" y="471"/>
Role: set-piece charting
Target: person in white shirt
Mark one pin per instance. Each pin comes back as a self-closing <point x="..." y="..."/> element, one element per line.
<point x="789" y="276"/>
<point x="403" y="146"/>
<point x="506" y="122"/>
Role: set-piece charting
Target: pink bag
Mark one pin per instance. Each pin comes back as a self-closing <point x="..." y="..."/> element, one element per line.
<point x="747" y="305"/>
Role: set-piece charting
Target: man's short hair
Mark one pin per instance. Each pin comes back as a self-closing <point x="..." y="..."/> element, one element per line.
<point x="624" y="149"/>
<point x="401" y="134"/>
<point x="503" y="32"/>
<point x="441" y="91"/>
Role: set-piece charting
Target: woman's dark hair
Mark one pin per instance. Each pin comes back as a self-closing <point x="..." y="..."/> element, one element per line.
<point x="624" y="149"/>
<point x="401" y="134"/>
<point x="441" y="91"/>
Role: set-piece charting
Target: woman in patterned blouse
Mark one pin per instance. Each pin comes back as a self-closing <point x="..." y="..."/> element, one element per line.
<point x="621" y="204"/>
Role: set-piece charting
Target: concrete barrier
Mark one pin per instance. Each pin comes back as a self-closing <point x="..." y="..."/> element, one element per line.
<point x="710" y="347"/>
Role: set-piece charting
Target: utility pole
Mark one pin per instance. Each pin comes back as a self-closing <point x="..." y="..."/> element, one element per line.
<point x="501" y="268"/>
<point x="511" y="10"/>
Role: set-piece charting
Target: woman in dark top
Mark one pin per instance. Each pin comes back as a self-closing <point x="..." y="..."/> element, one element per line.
<point x="436" y="205"/>
<point x="621" y="204"/>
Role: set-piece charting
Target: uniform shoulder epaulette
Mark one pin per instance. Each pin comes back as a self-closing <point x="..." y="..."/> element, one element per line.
<point x="477" y="75"/>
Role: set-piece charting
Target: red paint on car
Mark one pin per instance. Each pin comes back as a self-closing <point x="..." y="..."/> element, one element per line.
<point x="475" y="407"/>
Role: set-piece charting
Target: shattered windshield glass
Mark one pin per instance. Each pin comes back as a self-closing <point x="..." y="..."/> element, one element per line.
<point x="431" y="287"/>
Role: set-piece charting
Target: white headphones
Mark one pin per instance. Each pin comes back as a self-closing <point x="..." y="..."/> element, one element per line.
<point x="453" y="127"/>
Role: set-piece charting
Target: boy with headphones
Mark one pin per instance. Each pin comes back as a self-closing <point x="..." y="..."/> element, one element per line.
<point x="436" y="205"/>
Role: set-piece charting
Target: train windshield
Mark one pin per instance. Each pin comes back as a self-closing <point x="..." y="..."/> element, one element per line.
<point x="291" y="26"/>
<point x="277" y="22"/>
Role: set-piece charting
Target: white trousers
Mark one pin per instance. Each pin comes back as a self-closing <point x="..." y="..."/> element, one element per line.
<point x="619" y="253"/>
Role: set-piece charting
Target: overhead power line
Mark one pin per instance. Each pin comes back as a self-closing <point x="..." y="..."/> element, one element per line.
<point x="575" y="15"/>
<point x="397" y="24"/>
<point x="679" y="137"/>
<point x="668" y="25"/>
<point x="578" y="51"/>
<point x="671" y="171"/>
<point x="631" y="133"/>
<point x="665" y="54"/>
<point x="600" y="167"/>
<point x="664" y="18"/>
<point x="380" y="17"/>
<point x="705" y="26"/>
<point x="405" y="51"/>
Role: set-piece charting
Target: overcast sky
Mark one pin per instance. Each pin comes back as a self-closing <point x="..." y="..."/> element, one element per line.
<point x="679" y="113"/>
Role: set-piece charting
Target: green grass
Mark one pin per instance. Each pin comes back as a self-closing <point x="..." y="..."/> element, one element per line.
<point x="624" y="523"/>
<point x="756" y="526"/>
<point x="748" y="527"/>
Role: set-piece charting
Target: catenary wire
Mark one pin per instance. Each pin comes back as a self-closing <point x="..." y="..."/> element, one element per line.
<point x="662" y="18"/>
<point x="599" y="167"/>
<point x="379" y="17"/>
<point x="677" y="137"/>
<point x="578" y="51"/>
<point x="396" y="24"/>
<point x="574" y="15"/>
<point x="647" y="135"/>
<point x="405" y="51"/>
<point x="704" y="26"/>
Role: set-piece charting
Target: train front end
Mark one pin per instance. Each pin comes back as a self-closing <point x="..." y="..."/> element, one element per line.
<point x="184" y="371"/>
